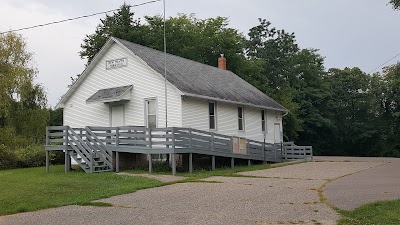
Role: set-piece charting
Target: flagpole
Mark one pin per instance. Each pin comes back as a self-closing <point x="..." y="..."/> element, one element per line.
<point x="165" y="72"/>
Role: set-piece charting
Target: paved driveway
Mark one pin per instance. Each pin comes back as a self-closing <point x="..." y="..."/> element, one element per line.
<point x="284" y="195"/>
<point x="377" y="183"/>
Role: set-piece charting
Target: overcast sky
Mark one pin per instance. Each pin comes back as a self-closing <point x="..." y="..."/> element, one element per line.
<point x="348" y="33"/>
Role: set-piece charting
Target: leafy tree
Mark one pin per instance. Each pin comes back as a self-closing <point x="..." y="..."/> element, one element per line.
<point x="355" y="119"/>
<point x="22" y="101"/>
<point x="395" y="4"/>
<point x="187" y="36"/>
<point x="200" y="40"/>
<point x="56" y="117"/>
<point x="275" y="50"/>
<point x="121" y="24"/>
<point x="390" y="103"/>
<point x="291" y="75"/>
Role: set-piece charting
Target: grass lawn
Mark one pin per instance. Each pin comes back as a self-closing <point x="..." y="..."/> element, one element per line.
<point x="385" y="213"/>
<point x="31" y="189"/>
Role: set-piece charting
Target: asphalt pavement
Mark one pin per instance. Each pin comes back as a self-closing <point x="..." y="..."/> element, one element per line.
<point x="283" y="195"/>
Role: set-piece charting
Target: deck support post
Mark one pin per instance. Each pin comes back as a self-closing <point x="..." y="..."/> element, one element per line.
<point x="47" y="152"/>
<point x="150" y="163"/>
<point x="249" y="162"/>
<point x="66" y="149"/>
<point x="173" y="155"/>
<point x="190" y="162"/>
<point x="47" y="161"/>
<point x="173" y="164"/>
<point x="264" y="153"/>
<point x="66" y="161"/>
<point x="117" y="162"/>
<point x="232" y="163"/>
<point x="91" y="162"/>
<point x="190" y="139"/>
<point x="213" y="162"/>
<point x="117" y="153"/>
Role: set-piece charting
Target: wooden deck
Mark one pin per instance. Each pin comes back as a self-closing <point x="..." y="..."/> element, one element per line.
<point x="95" y="145"/>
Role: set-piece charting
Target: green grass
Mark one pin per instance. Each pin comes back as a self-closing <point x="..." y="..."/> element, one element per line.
<point x="30" y="189"/>
<point x="385" y="213"/>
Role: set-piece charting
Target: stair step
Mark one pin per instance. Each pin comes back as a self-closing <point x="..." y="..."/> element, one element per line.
<point x="100" y="171"/>
<point x="94" y="156"/>
<point x="96" y="166"/>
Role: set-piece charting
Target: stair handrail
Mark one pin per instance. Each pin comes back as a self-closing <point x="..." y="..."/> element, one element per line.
<point x="102" y="147"/>
<point x="80" y="146"/>
<point x="104" y="158"/>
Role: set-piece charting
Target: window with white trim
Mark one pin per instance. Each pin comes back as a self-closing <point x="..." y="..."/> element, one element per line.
<point x="151" y="113"/>
<point x="240" y="118"/>
<point x="212" y="115"/>
<point x="151" y="122"/>
<point x="263" y="121"/>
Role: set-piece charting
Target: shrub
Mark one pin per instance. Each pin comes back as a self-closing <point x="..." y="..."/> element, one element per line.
<point x="7" y="159"/>
<point x="9" y="137"/>
<point x="30" y="156"/>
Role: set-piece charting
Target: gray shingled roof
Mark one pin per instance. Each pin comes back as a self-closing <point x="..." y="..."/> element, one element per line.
<point x="109" y="94"/>
<point x="197" y="79"/>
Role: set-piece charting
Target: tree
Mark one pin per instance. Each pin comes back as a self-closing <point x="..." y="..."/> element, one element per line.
<point x="395" y="4"/>
<point x="275" y="51"/>
<point x="200" y="40"/>
<point x="22" y="101"/>
<point x="390" y="116"/>
<point x="356" y="130"/>
<point x="186" y="36"/>
<point x="121" y="24"/>
<point x="291" y="75"/>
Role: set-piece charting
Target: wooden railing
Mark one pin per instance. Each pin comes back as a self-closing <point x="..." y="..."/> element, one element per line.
<point x="161" y="141"/>
<point x="81" y="145"/>
<point x="103" y="141"/>
<point x="294" y="152"/>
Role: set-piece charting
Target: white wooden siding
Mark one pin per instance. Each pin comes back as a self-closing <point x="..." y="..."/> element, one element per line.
<point x="146" y="84"/>
<point x="195" y="115"/>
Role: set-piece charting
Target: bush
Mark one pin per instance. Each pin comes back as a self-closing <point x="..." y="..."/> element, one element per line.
<point x="30" y="156"/>
<point x="9" y="137"/>
<point x="18" y="151"/>
<point x="7" y="159"/>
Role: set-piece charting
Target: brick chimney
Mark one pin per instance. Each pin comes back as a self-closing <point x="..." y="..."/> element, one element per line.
<point x="222" y="62"/>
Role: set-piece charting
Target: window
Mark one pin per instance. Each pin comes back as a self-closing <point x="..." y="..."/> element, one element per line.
<point x="212" y="115"/>
<point x="241" y="118"/>
<point x="263" y="120"/>
<point x="151" y="122"/>
<point x="151" y="113"/>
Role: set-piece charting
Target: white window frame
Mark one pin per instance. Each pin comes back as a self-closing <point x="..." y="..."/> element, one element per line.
<point x="146" y="111"/>
<point x="215" y="116"/>
<point x="242" y="119"/>
<point x="264" y="120"/>
<point x="154" y="157"/>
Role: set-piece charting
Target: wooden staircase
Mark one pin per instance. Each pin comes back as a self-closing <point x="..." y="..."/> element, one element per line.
<point x="89" y="151"/>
